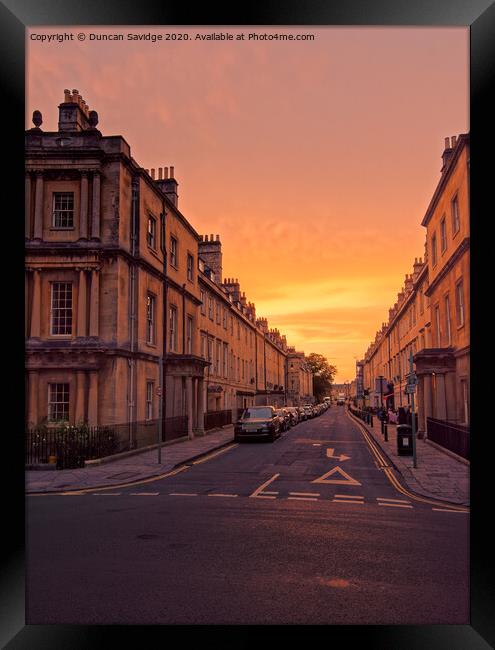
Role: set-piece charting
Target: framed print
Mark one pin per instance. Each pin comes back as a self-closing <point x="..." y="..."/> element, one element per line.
<point x="247" y="392"/>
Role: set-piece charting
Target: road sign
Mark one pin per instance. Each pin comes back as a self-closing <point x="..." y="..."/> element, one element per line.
<point x="412" y="380"/>
<point x="410" y="388"/>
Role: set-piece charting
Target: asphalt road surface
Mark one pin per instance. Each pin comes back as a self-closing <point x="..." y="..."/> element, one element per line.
<point x="311" y="529"/>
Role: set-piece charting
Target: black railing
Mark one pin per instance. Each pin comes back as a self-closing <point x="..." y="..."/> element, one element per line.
<point x="454" y="437"/>
<point x="365" y="416"/>
<point x="214" y="419"/>
<point x="71" y="446"/>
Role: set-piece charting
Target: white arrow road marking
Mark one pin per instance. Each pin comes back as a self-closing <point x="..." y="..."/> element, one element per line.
<point x="346" y="480"/>
<point x="330" y="455"/>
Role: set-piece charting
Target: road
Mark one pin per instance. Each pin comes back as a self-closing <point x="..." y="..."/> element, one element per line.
<point x="309" y="529"/>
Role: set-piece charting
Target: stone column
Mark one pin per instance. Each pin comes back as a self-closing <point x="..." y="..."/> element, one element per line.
<point x="93" y="399"/>
<point x="33" y="390"/>
<point x="36" y="305"/>
<point x="81" y="304"/>
<point x="451" y="402"/>
<point x="38" y="207"/>
<point x="440" y="404"/>
<point x="421" y="408"/>
<point x="201" y="407"/>
<point x="27" y="203"/>
<point x="195" y="403"/>
<point x="427" y="400"/>
<point x="190" y="434"/>
<point x="83" y="220"/>
<point x="95" y="221"/>
<point x="94" y="303"/>
<point x="80" y="396"/>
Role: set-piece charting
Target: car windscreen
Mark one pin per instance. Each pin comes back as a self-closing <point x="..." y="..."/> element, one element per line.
<point x="257" y="413"/>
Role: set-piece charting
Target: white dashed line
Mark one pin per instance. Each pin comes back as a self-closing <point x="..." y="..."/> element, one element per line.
<point x="303" y="498"/>
<point x="305" y="494"/>
<point x="392" y="500"/>
<point x="144" y="494"/>
<point x="395" y="505"/>
<point x="182" y="494"/>
<point x="347" y="501"/>
<point x="348" y="496"/>
<point x="465" y="512"/>
<point x="223" y="495"/>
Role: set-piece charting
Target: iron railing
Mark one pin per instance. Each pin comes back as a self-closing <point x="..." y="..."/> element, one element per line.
<point x="454" y="437"/>
<point x="73" y="445"/>
<point x="214" y="419"/>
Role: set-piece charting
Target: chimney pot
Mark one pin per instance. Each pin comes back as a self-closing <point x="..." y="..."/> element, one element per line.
<point x="453" y="140"/>
<point x="447" y="143"/>
<point x="153" y="173"/>
<point x="165" y="169"/>
<point x="160" y="173"/>
<point x="171" y="172"/>
<point x="218" y="237"/>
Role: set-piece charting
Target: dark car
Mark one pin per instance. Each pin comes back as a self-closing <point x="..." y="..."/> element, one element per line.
<point x="294" y="414"/>
<point x="284" y="416"/>
<point x="258" y="422"/>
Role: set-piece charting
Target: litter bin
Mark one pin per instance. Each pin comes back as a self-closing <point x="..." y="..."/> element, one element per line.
<point x="404" y="440"/>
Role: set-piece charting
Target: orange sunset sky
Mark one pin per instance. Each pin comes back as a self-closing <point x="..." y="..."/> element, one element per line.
<point x="314" y="161"/>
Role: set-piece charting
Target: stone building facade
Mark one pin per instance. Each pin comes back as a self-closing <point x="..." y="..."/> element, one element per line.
<point x="121" y="291"/>
<point x="430" y="319"/>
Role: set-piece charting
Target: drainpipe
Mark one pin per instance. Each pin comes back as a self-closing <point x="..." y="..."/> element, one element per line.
<point x="183" y="319"/>
<point x="132" y="316"/>
<point x="163" y="402"/>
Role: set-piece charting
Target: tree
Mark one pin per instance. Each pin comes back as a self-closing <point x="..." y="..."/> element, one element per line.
<point x="323" y="374"/>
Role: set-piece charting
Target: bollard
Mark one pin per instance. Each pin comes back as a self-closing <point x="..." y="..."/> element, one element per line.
<point x="381" y="427"/>
<point x="385" y="428"/>
<point x="371" y="421"/>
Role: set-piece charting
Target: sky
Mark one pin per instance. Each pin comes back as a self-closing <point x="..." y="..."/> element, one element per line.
<point x="314" y="160"/>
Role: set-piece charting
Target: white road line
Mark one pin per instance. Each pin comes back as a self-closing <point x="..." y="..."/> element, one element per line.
<point x="347" y="501"/>
<point x="261" y="487"/>
<point x="465" y="512"/>
<point x="395" y="505"/>
<point x="106" y="494"/>
<point x="392" y="500"/>
<point x="182" y="494"/>
<point x="303" y="498"/>
<point x="262" y="496"/>
<point x="305" y="494"/>
<point x="144" y="494"/>
<point x="316" y="444"/>
<point x="348" y="496"/>
<point x="223" y="495"/>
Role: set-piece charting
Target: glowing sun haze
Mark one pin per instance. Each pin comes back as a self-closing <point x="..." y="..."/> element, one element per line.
<point x="314" y="161"/>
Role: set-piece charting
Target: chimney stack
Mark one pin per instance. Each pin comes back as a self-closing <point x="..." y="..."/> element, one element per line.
<point x="168" y="185"/>
<point x="447" y="154"/>
<point x="210" y="252"/>
<point x="73" y="113"/>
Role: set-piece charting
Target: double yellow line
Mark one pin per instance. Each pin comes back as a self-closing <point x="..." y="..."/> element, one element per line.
<point x="377" y="452"/>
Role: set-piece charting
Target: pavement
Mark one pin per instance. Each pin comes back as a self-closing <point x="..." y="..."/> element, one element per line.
<point x="136" y="467"/>
<point x="439" y="474"/>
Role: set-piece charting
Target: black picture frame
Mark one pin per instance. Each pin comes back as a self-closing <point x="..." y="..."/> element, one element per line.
<point x="15" y="16"/>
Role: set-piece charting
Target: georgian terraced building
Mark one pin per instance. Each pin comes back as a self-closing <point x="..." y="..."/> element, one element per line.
<point x="430" y="318"/>
<point x="118" y="281"/>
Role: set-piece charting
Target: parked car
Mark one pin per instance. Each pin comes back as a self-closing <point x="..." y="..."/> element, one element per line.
<point x="294" y="414"/>
<point x="302" y="413"/>
<point x="284" y="416"/>
<point x="308" y="409"/>
<point x="258" y="422"/>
